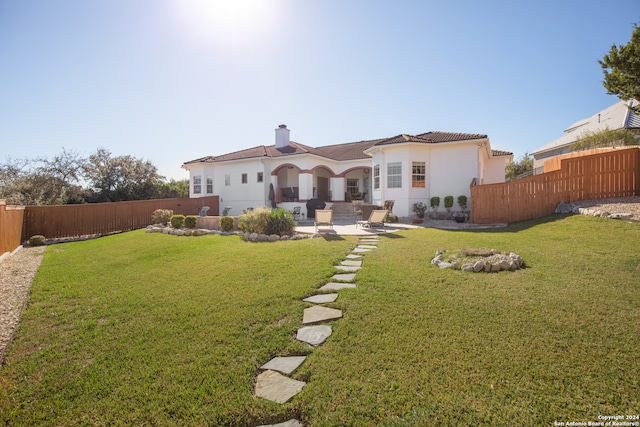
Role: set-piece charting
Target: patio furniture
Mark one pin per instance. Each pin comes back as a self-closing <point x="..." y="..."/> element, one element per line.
<point x="312" y="205"/>
<point x="376" y="219"/>
<point x="357" y="208"/>
<point x="296" y="213"/>
<point x="367" y="209"/>
<point x="388" y="205"/>
<point x="324" y="218"/>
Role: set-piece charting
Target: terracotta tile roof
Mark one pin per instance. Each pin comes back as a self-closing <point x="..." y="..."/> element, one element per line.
<point x="499" y="153"/>
<point x="339" y="152"/>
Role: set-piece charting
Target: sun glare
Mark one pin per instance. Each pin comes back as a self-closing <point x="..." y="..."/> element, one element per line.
<point x="227" y="21"/>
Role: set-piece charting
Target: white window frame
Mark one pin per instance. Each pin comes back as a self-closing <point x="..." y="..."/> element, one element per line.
<point x="419" y="177"/>
<point x="376" y="177"/>
<point x="197" y="184"/>
<point x="209" y="185"/>
<point x="227" y="180"/>
<point x="394" y="175"/>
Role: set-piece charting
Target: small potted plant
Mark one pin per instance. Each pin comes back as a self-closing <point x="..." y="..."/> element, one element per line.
<point x="419" y="209"/>
<point x="448" y="203"/>
<point x="435" y="204"/>
<point x="461" y="217"/>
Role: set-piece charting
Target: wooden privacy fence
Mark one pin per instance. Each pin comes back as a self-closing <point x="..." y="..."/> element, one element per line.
<point x="104" y="218"/>
<point x="11" y="218"/>
<point x="614" y="173"/>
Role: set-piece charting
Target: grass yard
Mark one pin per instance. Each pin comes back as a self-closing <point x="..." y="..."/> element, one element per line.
<point x="151" y="329"/>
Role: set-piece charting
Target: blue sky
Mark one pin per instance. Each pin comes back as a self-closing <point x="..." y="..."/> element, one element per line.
<point x="173" y="80"/>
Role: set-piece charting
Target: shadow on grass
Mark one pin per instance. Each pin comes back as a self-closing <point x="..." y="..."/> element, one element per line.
<point x="515" y="227"/>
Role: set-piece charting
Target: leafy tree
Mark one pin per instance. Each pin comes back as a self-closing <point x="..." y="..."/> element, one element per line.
<point x="605" y="138"/>
<point x="514" y="169"/>
<point x="173" y="189"/>
<point x="120" y="178"/>
<point x="621" y="68"/>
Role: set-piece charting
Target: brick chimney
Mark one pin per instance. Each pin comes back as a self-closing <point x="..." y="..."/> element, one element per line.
<point x="282" y="136"/>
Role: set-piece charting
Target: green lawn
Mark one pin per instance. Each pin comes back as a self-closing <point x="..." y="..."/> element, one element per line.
<point x="151" y="329"/>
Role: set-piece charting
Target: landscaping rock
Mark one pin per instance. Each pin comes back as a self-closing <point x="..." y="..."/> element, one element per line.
<point x="290" y="423"/>
<point x="478" y="266"/>
<point x="274" y="237"/>
<point x="322" y="298"/>
<point x="286" y="365"/>
<point x="318" y="313"/>
<point x="332" y="286"/>
<point x="348" y="277"/>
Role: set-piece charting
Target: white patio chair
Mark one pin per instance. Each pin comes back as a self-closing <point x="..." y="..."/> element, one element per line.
<point x="376" y="219"/>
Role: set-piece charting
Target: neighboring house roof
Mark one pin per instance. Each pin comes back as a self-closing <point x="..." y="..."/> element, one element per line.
<point x="343" y="152"/>
<point x="617" y="116"/>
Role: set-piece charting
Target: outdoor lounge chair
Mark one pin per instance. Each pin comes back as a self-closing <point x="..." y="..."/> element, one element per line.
<point x="357" y="208"/>
<point x="376" y="219"/>
<point x="324" y="217"/>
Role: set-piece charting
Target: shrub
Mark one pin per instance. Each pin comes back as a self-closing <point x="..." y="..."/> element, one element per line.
<point x="226" y="223"/>
<point x="391" y="218"/>
<point x="177" y="221"/>
<point x="462" y="202"/>
<point x="161" y="216"/>
<point x="37" y="240"/>
<point x="419" y="208"/>
<point x="448" y="203"/>
<point x="267" y="221"/>
<point x="281" y="222"/>
<point x="190" y="221"/>
<point x="434" y="202"/>
<point x="255" y="221"/>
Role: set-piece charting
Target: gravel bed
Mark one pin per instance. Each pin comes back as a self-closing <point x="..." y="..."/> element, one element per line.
<point x="16" y="274"/>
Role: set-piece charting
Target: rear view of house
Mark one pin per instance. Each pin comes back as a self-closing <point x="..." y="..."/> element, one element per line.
<point x="404" y="168"/>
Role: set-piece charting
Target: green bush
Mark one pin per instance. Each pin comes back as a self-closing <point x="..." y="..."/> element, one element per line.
<point x="37" y="240"/>
<point x="177" y="221"/>
<point x="391" y="218"/>
<point x="190" y="221"/>
<point x="434" y="202"/>
<point x="462" y="202"/>
<point x="267" y="221"/>
<point x="161" y="216"/>
<point x="255" y="221"/>
<point x="226" y="223"/>
<point x="448" y="203"/>
<point x="281" y="222"/>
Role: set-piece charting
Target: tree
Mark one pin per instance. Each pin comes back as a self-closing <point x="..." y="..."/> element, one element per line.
<point x="514" y="169"/>
<point x="605" y="138"/>
<point x="120" y="178"/>
<point x="173" y="189"/>
<point x="621" y="68"/>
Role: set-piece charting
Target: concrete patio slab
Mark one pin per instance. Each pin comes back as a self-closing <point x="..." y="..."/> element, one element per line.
<point x="286" y="365"/>
<point x="314" y="335"/>
<point x="322" y="298"/>
<point x="337" y="286"/>
<point x="346" y="277"/>
<point x="318" y="313"/>
<point x="276" y="387"/>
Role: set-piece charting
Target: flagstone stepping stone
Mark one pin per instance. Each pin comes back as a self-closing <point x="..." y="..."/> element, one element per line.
<point x="370" y="239"/>
<point x="318" y="313"/>
<point x="314" y="335"/>
<point x="360" y="250"/>
<point x="322" y="298"/>
<point x="274" y="386"/>
<point x="286" y="365"/>
<point x="346" y="277"/>
<point x="332" y="286"/>
<point x="347" y="268"/>
<point x="367" y="247"/>
<point x="352" y="263"/>
<point x="290" y="423"/>
<point x="352" y="256"/>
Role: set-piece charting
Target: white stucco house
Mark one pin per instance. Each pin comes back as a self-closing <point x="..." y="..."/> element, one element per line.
<point x="617" y="116"/>
<point x="403" y="168"/>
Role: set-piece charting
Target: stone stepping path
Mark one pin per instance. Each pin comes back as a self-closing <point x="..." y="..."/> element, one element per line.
<point x="286" y="365"/>
<point x="322" y="298"/>
<point x="318" y="313"/>
<point x="349" y="277"/>
<point x="274" y="386"/>
<point x="314" y="335"/>
<point x="332" y="286"/>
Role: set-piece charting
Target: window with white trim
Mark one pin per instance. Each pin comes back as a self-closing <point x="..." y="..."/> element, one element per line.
<point x="352" y="186"/>
<point x="418" y="175"/>
<point x="260" y="176"/>
<point x="376" y="177"/>
<point x="394" y="175"/>
<point x="245" y="178"/>
<point x="209" y="185"/>
<point x="197" y="184"/>
<point x="227" y="180"/>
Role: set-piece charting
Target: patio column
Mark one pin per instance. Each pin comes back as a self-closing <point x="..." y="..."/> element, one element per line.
<point x="305" y="184"/>
<point x="338" y="188"/>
